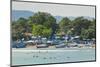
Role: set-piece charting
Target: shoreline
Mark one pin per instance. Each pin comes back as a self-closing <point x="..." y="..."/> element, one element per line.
<point x="49" y="50"/>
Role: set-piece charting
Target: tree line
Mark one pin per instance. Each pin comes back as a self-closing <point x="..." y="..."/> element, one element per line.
<point x="42" y="24"/>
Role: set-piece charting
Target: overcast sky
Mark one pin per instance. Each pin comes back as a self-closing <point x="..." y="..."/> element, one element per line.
<point x="55" y="9"/>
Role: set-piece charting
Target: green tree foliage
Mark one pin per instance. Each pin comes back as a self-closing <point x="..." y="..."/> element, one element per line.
<point x="37" y="30"/>
<point x="65" y="24"/>
<point x="38" y="24"/>
<point x="19" y="27"/>
<point x="79" y="24"/>
<point x="40" y="30"/>
<point x="84" y="28"/>
<point x="87" y="34"/>
<point x="42" y="24"/>
<point x="43" y="19"/>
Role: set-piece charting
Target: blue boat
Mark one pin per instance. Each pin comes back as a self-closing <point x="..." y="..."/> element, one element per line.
<point x="18" y="44"/>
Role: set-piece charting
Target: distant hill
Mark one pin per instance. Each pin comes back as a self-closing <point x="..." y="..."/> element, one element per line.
<point x="16" y="14"/>
<point x="59" y="18"/>
<point x="86" y="17"/>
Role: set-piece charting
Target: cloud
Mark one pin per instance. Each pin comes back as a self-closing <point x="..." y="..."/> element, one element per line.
<point x="55" y="9"/>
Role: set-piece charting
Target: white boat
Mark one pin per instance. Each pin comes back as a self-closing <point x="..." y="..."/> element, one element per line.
<point x="30" y="41"/>
<point x="60" y="45"/>
<point x="42" y="46"/>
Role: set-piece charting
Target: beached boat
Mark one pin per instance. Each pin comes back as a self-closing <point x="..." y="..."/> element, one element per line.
<point x="30" y="41"/>
<point x="42" y="46"/>
<point x="19" y="44"/>
<point x="49" y="42"/>
<point x="73" y="45"/>
<point x="62" y="45"/>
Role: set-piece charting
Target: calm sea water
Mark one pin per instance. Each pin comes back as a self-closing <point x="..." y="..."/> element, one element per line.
<point x="24" y="58"/>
